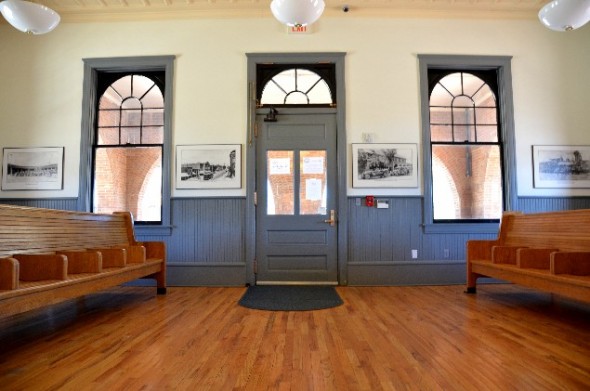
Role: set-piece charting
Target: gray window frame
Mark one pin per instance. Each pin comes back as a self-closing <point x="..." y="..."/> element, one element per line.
<point x="89" y="98"/>
<point x="469" y="63"/>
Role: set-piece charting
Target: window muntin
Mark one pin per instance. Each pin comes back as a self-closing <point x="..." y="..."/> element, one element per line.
<point x="467" y="181"/>
<point x="128" y="149"/>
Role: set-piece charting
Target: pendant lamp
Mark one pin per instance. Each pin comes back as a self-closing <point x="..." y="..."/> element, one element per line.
<point x="565" y="15"/>
<point x="297" y="12"/>
<point x="29" y="17"/>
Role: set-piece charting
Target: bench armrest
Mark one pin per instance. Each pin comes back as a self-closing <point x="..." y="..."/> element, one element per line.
<point x="112" y="256"/>
<point x="480" y="249"/>
<point x="574" y="263"/>
<point x="83" y="261"/>
<point x="505" y="254"/>
<point x="38" y="267"/>
<point x="135" y="254"/>
<point x="9" y="268"/>
<point x="155" y="250"/>
<point x="534" y="258"/>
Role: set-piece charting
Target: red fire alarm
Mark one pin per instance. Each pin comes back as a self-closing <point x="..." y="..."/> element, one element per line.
<point x="370" y="201"/>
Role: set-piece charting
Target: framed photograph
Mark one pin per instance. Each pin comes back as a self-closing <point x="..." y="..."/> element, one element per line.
<point x="209" y="166"/>
<point x="32" y="168"/>
<point x="384" y="165"/>
<point x="561" y="166"/>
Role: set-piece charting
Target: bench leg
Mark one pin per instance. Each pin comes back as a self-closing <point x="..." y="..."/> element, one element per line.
<point x="471" y="280"/>
<point x="161" y="281"/>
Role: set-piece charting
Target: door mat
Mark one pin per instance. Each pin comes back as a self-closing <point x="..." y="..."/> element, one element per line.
<point x="290" y="298"/>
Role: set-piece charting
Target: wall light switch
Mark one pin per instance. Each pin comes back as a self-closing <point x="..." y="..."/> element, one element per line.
<point x="414" y="254"/>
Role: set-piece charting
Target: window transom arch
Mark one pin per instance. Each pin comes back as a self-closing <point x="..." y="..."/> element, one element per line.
<point x="296" y="85"/>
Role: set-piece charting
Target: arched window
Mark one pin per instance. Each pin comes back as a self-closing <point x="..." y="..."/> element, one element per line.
<point x="281" y="84"/>
<point x="128" y="145"/>
<point x="465" y="143"/>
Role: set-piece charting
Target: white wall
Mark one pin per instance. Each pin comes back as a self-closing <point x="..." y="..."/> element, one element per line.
<point x="41" y="89"/>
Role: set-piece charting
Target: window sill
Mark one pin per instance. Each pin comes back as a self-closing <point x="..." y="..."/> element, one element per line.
<point x="462" y="228"/>
<point x="153" y="230"/>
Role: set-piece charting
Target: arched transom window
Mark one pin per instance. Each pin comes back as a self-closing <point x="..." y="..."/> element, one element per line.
<point x="297" y="86"/>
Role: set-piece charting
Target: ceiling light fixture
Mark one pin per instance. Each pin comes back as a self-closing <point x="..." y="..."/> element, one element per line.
<point x="565" y="15"/>
<point x="297" y="12"/>
<point x="29" y="17"/>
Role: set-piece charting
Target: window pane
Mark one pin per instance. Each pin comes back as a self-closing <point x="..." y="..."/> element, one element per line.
<point x="130" y="135"/>
<point x="463" y="115"/>
<point x="440" y="96"/>
<point x="108" y="136"/>
<point x="320" y="93"/>
<point x="110" y="100"/>
<point x="153" y="99"/>
<point x="153" y="117"/>
<point x="471" y="84"/>
<point x="123" y="86"/>
<point x="441" y="115"/>
<point x="464" y="133"/>
<point x="296" y="98"/>
<point x="141" y="85"/>
<point x="453" y="83"/>
<point x="313" y="178"/>
<point x="152" y="135"/>
<point x="108" y="117"/>
<point x="441" y="133"/>
<point x="486" y="116"/>
<point x="280" y="189"/>
<point x="131" y="118"/>
<point x="129" y="179"/>
<point x="467" y="182"/>
<point x="487" y="134"/>
<point x="485" y="97"/>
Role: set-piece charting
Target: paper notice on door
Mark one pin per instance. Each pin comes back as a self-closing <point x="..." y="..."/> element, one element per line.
<point x="313" y="189"/>
<point x="313" y="165"/>
<point x="279" y="166"/>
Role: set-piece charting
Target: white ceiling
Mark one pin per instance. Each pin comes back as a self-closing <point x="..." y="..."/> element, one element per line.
<point x="106" y="10"/>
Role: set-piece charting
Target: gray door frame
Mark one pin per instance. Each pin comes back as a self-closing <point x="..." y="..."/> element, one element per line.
<point x="341" y="209"/>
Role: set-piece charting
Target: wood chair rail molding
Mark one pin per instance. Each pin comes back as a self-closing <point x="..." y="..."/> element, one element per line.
<point x="548" y="251"/>
<point x="48" y="256"/>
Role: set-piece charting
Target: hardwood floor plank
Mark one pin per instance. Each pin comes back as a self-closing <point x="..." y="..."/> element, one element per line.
<point x="382" y="338"/>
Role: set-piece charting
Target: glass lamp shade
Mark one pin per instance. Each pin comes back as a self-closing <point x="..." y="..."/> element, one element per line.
<point x="297" y="12"/>
<point x="29" y="17"/>
<point x="565" y="15"/>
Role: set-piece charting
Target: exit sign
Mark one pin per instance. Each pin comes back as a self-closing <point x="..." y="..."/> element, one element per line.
<point x="299" y="30"/>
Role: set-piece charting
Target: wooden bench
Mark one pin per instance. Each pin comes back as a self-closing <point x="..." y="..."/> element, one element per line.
<point x="547" y="251"/>
<point x="48" y="256"/>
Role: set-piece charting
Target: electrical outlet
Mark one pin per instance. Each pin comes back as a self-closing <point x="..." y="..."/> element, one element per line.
<point x="414" y="254"/>
<point x="446" y="252"/>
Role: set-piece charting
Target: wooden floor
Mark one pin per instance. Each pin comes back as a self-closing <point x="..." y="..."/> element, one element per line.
<point x="386" y="338"/>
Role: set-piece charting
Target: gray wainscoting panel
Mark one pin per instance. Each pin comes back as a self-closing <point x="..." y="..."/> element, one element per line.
<point x="49" y="203"/>
<point x="207" y="244"/>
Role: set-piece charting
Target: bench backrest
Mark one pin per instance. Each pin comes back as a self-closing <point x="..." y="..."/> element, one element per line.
<point x="26" y="230"/>
<point x="565" y="230"/>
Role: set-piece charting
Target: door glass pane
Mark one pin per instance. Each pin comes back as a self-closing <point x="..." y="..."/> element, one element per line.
<point x="280" y="187"/>
<point x="312" y="182"/>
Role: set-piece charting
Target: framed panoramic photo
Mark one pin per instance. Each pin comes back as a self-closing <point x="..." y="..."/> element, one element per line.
<point x="32" y="168"/>
<point x="562" y="166"/>
<point x="209" y="166"/>
<point x="384" y="165"/>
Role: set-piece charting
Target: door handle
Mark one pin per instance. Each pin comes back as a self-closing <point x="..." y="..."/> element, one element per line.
<point x="332" y="219"/>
